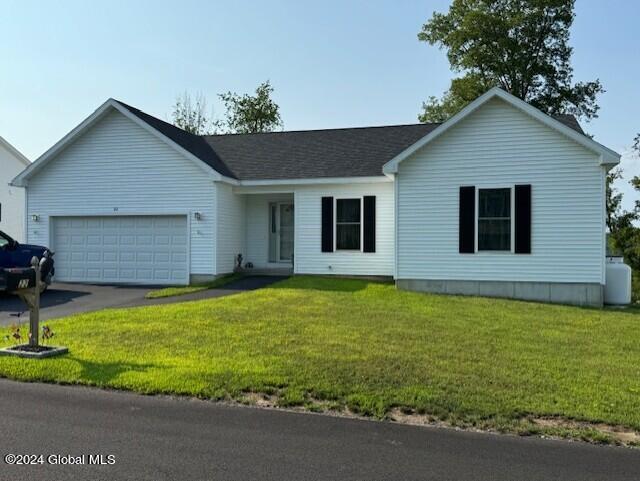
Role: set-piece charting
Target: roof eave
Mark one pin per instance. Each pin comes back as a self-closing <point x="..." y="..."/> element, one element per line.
<point x="607" y="156"/>
<point x="15" y="152"/>
<point x="22" y="179"/>
<point x="206" y="168"/>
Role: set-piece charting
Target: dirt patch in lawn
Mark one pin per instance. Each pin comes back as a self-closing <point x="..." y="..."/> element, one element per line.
<point x="259" y="399"/>
<point x="619" y="434"/>
<point x="406" y="416"/>
<point x="551" y="427"/>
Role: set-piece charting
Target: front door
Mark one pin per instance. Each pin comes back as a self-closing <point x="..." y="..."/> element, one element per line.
<point x="285" y="241"/>
<point x="281" y="232"/>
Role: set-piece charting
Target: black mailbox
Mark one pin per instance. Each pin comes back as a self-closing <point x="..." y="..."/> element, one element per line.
<point x="18" y="278"/>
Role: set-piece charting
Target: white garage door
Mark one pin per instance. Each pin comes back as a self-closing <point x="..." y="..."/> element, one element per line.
<point x="121" y="249"/>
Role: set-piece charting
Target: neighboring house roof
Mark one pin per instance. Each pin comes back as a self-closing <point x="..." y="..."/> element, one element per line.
<point x="309" y="154"/>
<point x="565" y="125"/>
<point x="16" y="153"/>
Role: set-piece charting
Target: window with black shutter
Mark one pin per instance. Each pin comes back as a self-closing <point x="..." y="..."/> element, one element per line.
<point x="327" y="224"/>
<point x="494" y="219"/>
<point x="467" y="220"/>
<point x="369" y="223"/>
<point x="348" y="224"/>
<point x="522" y="200"/>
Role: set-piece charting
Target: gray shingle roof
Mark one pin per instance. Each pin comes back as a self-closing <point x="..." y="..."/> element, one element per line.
<point x="192" y="143"/>
<point x="351" y="152"/>
<point x="315" y="153"/>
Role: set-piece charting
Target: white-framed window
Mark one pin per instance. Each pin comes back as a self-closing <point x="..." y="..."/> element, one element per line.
<point x="494" y="219"/>
<point x="348" y="231"/>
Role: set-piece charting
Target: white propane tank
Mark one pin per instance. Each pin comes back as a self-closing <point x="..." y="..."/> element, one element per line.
<point x="617" y="289"/>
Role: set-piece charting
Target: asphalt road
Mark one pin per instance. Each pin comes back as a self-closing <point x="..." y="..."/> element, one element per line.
<point x="63" y="299"/>
<point x="161" y="438"/>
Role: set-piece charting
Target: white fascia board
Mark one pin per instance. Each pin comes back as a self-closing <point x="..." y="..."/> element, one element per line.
<point x="288" y="185"/>
<point x="16" y="153"/>
<point x="318" y="181"/>
<point x="607" y="156"/>
<point x="21" y="180"/>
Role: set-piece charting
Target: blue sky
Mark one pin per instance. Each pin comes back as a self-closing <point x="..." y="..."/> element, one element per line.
<point x="332" y="63"/>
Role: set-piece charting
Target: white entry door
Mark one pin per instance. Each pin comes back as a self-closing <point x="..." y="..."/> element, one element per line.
<point x="121" y="249"/>
<point x="286" y="233"/>
<point x="281" y="232"/>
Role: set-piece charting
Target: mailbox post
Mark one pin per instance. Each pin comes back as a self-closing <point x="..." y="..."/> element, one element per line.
<point x="34" y="305"/>
<point x="30" y="295"/>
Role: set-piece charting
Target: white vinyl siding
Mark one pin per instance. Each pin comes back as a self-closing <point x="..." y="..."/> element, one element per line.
<point x="118" y="168"/>
<point x="500" y="146"/>
<point x="231" y="227"/>
<point x="11" y="198"/>
<point x="309" y="259"/>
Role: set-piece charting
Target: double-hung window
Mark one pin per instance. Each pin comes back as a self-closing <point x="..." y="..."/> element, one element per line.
<point x="348" y="224"/>
<point x="494" y="219"/>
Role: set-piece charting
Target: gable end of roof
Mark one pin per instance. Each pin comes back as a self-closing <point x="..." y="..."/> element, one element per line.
<point x="565" y="124"/>
<point x="22" y="179"/>
<point x="15" y="152"/>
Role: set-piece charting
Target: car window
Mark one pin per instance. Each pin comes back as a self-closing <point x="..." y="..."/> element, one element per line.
<point x="3" y="242"/>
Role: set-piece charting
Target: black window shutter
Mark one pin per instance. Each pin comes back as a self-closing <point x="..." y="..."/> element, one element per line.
<point x="467" y="226"/>
<point x="523" y="219"/>
<point x="327" y="224"/>
<point x="369" y="218"/>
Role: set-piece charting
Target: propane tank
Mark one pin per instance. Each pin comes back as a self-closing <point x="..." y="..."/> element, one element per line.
<point x="617" y="289"/>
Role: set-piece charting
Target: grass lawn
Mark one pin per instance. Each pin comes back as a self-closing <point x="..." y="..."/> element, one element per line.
<point x="182" y="290"/>
<point x="364" y="346"/>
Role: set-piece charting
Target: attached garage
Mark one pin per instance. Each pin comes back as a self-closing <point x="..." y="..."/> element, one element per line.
<point x="121" y="249"/>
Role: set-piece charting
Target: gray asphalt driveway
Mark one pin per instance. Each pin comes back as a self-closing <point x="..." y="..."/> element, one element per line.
<point x="63" y="299"/>
<point x="161" y="438"/>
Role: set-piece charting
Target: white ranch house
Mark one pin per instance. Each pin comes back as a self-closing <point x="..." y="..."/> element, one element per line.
<point x="500" y="200"/>
<point x="12" y="200"/>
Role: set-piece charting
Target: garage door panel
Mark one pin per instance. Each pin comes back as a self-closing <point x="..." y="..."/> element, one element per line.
<point x="93" y="272"/>
<point x="177" y="274"/>
<point x="122" y="249"/>
<point x="144" y="240"/>
<point x="94" y="240"/>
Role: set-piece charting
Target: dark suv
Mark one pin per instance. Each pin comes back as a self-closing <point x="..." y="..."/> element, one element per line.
<point x="15" y="255"/>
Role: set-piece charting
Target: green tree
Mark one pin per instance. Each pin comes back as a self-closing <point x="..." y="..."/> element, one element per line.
<point x="191" y="115"/>
<point x="247" y="114"/>
<point x="519" y="45"/>
<point x="617" y="218"/>
<point x="624" y="234"/>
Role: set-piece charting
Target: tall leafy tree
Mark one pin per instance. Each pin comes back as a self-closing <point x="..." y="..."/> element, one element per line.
<point x="519" y="45"/>
<point x="190" y="114"/>
<point x="251" y="113"/>
<point x="624" y="234"/>
<point x="617" y="217"/>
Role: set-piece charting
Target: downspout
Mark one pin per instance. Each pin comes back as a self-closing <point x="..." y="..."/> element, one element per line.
<point x="25" y="228"/>
<point x="396" y="214"/>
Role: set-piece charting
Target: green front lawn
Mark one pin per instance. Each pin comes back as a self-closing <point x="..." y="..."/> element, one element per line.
<point x="364" y="346"/>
